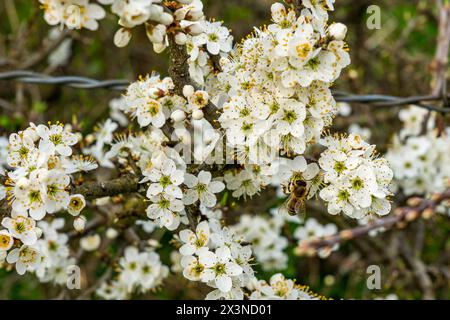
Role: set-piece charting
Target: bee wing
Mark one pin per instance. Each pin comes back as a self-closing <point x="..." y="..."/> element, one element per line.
<point x="284" y="207"/>
<point x="300" y="207"/>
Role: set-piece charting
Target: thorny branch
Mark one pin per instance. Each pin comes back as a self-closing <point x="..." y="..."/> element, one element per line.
<point x="418" y="208"/>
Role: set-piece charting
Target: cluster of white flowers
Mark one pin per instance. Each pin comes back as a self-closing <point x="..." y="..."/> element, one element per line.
<point x="74" y="14"/>
<point x="102" y="137"/>
<point x="183" y="18"/>
<point x="152" y="102"/>
<point x="273" y="95"/>
<point x="358" y="183"/>
<point x="279" y="288"/>
<point x="139" y="271"/>
<point x="425" y="169"/>
<point x="276" y="86"/>
<point x="38" y="183"/>
<point x="56" y="263"/>
<point x="116" y="107"/>
<point x="265" y="236"/>
<point x="215" y="256"/>
<point x="215" y="40"/>
<point x="311" y="230"/>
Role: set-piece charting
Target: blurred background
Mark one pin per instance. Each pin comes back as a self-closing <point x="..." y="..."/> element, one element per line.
<point x="394" y="60"/>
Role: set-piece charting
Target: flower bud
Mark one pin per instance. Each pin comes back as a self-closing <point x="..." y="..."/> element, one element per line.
<point x="337" y="31"/>
<point x="102" y="201"/>
<point x="90" y="243"/>
<point x="197" y="115"/>
<point x="180" y="38"/>
<point x="178" y="116"/>
<point x="79" y="223"/>
<point x="166" y="18"/>
<point x="188" y="90"/>
<point x="111" y="233"/>
<point x="153" y="243"/>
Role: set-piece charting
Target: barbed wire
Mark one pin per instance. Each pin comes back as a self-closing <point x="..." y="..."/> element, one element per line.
<point x="378" y="100"/>
<point x="69" y="81"/>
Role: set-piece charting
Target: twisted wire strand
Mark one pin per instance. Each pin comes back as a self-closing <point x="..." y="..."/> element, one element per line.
<point x="377" y="100"/>
<point x="69" y="81"/>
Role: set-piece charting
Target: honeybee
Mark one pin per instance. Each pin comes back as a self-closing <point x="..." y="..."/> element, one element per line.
<point x="298" y="190"/>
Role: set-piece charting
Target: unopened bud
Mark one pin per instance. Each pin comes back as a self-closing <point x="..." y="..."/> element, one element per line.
<point x="111" y="233"/>
<point x="337" y="31"/>
<point x="427" y="213"/>
<point x="411" y="215"/>
<point x="79" y="223"/>
<point x="178" y="116"/>
<point x="414" y="202"/>
<point x="346" y="234"/>
<point x="165" y="18"/>
<point x="90" y="243"/>
<point x="180" y="38"/>
<point x="197" y="115"/>
<point x="188" y="90"/>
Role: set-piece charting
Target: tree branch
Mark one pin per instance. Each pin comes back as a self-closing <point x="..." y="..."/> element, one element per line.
<point x="420" y="208"/>
<point x="126" y="184"/>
